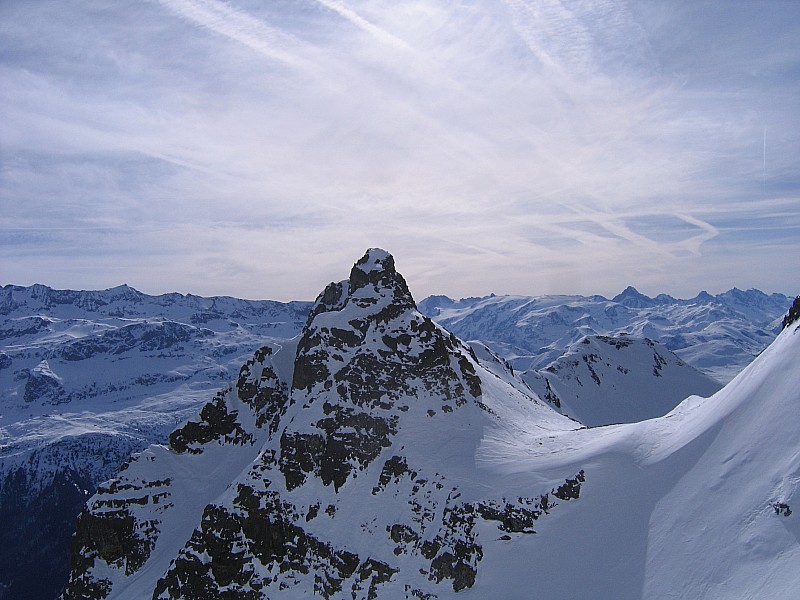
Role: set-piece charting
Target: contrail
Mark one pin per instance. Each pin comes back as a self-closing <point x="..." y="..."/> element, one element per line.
<point x="360" y="22"/>
<point x="237" y="25"/>
<point x="765" y="156"/>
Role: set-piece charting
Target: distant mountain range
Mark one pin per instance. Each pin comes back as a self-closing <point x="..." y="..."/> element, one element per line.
<point x="719" y="334"/>
<point x="87" y="378"/>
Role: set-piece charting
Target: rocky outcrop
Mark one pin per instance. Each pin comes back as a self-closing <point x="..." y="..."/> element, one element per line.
<point x="793" y="315"/>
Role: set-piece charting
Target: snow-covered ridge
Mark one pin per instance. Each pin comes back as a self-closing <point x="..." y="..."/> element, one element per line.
<point x="602" y="380"/>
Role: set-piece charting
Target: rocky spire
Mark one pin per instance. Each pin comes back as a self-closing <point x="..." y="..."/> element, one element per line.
<point x="793" y="315"/>
<point x="351" y="475"/>
<point x="373" y="281"/>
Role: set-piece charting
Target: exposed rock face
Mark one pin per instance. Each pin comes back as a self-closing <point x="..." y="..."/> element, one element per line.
<point x="793" y="315"/>
<point x="341" y="464"/>
<point x="44" y="384"/>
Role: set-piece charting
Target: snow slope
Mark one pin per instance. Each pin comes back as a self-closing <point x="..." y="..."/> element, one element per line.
<point x="700" y="503"/>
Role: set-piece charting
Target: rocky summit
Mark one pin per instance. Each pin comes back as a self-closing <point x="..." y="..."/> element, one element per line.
<point x="340" y="464"/>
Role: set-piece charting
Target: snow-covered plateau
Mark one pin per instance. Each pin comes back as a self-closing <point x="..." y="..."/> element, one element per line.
<point x="363" y="450"/>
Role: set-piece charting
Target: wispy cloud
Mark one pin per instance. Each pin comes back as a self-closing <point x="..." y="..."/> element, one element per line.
<point x="527" y="146"/>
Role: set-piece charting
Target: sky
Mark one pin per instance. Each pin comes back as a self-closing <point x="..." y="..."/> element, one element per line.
<point x="257" y="148"/>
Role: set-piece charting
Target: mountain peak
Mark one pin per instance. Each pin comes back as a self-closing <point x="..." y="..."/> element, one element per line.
<point x="704" y="297"/>
<point x="376" y="267"/>
<point x="341" y="481"/>
<point x="376" y="259"/>
<point x="374" y="286"/>
<point x="632" y="297"/>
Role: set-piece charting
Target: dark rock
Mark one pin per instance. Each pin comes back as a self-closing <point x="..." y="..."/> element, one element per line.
<point x="793" y="315"/>
<point x="300" y="454"/>
<point x="781" y="508"/>
<point x="43" y="387"/>
<point x="371" y="573"/>
<point x="221" y="553"/>
<point x="393" y="469"/>
<point x="351" y="438"/>
<point x="571" y="489"/>
<point x="217" y="423"/>
<point x="259" y="386"/>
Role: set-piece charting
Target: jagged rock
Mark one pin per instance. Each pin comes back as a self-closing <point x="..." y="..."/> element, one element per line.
<point x="793" y="315"/>
<point x="216" y="423"/>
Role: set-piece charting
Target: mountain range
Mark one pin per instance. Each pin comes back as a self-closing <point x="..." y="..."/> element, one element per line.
<point x="90" y="377"/>
<point x="719" y="334"/>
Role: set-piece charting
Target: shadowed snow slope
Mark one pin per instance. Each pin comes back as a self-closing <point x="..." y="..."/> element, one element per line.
<point x="376" y="455"/>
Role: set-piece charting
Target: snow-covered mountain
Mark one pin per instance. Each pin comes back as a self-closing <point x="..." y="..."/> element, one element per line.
<point x="717" y="334"/>
<point x="605" y="380"/>
<point x="377" y="455"/>
<point x="89" y="377"/>
<point x="86" y="379"/>
<point x="342" y="464"/>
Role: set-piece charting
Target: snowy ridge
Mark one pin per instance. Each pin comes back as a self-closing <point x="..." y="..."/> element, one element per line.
<point x="718" y="335"/>
<point x="603" y="380"/>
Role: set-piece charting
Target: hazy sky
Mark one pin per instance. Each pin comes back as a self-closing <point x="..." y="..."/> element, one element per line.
<point x="256" y="148"/>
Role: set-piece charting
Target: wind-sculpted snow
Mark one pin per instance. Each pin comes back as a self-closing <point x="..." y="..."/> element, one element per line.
<point x="718" y="335"/>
